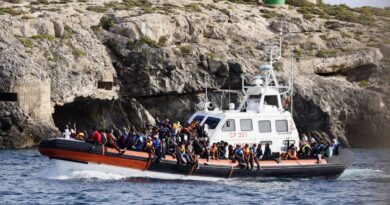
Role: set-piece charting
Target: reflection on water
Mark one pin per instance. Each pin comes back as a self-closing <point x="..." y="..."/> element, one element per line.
<point x="26" y="178"/>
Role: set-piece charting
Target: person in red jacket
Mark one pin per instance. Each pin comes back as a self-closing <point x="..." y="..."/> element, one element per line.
<point x="96" y="137"/>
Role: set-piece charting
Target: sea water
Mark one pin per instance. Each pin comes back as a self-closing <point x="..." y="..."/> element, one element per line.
<point x="26" y="177"/>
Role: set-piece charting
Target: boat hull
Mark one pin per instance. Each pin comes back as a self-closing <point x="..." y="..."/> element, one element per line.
<point x="75" y="155"/>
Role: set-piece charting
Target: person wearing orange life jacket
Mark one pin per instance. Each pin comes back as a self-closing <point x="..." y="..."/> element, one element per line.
<point x="247" y="153"/>
<point x="149" y="146"/>
<point x="214" y="151"/>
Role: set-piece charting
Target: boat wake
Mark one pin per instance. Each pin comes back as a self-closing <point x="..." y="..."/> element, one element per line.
<point x="363" y="174"/>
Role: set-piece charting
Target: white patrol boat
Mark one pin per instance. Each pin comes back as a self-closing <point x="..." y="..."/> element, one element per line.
<point x="260" y="118"/>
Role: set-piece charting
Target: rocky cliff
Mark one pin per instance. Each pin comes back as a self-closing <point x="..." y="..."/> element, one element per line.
<point x="99" y="63"/>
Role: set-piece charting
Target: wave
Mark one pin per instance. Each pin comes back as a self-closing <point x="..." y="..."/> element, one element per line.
<point x="362" y="174"/>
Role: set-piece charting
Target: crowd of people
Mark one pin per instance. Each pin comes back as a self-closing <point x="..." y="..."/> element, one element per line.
<point x="189" y="142"/>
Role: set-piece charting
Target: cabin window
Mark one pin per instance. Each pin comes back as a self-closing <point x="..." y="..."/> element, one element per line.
<point x="230" y="125"/>
<point x="265" y="126"/>
<point x="246" y="125"/>
<point x="281" y="126"/>
<point x="265" y="142"/>
<point x="8" y="97"/>
<point x="212" y="122"/>
<point x="271" y="100"/>
<point x="198" y="118"/>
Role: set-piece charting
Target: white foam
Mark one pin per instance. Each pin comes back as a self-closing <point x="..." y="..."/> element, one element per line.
<point x="89" y="174"/>
<point x="359" y="174"/>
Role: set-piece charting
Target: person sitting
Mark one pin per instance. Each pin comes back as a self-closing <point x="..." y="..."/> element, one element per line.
<point x="253" y="156"/>
<point x="292" y="153"/>
<point x="239" y="156"/>
<point x="305" y="151"/>
<point x="139" y="141"/>
<point x="157" y="147"/>
<point x="96" y="137"/>
<point x="66" y="134"/>
<point x="267" y="152"/>
<point x="247" y="157"/>
<point x="335" y="146"/>
<point x="214" y="151"/>
<point x="231" y="152"/>
<point x="259" y="152"/>
<point x="319" y="150"/>
<point x="149" y="145"/>
<point x="111" y="142"/>
<point x="181" y="153"/>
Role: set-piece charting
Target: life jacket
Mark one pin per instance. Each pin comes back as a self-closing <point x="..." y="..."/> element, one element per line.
<point x="149" y="144"/>
<point x="182" y="149"/>
<point x="246" y="151"/>
<point x="305" y="149"/>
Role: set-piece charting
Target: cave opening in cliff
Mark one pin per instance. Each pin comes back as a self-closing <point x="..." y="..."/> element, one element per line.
<point x="89" y="114"/>
<point x="11" y="97"/>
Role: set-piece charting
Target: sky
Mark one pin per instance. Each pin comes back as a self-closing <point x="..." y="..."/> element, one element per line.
<point x="359" y="3"/>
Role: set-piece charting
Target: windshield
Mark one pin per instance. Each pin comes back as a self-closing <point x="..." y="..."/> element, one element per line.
<point x="198" y="118"/>
<point x="212" y="122"/>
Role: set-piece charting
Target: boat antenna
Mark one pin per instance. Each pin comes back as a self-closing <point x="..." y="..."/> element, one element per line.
<point x="292" y="84"/>
<point x="207" y="78"/>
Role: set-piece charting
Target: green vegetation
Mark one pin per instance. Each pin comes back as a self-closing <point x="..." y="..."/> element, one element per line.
<point x="212" y="54"/>
<point x="15" y="1"/>
<point x="11" y="11"/>
<point x="45" y="2"/>
<point x="269" y="13"/>
<point x="244" y="1"/>
<point x="130" y="4"/>
<point x="308" y="16"/>
<point x="364" y="83"/>
<point x="193" y="7"/>
<point x="44" y="36"/>
<point x="27" y="43"/>
<point x="162" y="41"/>
<point x="149" y="42"/>
<point x="145" y="40"/>
<point x="326" y="53"/>
<point x="297" y="52"/>
<point x="98" y="9"/>
<point x="27" y="17"/>
<point x="106" y="22"/>
<point x="78" y="52"/>
<point x="339" y="12"/>
<point x="185" y="50"/>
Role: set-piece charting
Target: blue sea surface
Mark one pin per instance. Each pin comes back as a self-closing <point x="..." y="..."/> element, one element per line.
<point x="26" y="177"/>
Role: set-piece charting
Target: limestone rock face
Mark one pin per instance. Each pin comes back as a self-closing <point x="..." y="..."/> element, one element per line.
<point x="102" y="64"/>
